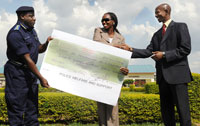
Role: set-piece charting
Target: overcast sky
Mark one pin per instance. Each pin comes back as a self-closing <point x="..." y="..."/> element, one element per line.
<point x="137" y="22"/>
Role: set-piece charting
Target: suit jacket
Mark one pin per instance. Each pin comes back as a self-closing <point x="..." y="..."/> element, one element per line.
<point x="101" y="35"/>
<point x="176" y="44"/>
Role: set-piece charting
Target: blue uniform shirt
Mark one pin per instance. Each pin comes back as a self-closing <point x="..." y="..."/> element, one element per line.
<point x="21" y="91"/>
<point x="21" y="40"/>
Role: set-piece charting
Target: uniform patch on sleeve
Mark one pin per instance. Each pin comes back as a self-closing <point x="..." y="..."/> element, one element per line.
<point x="17" y="27"/>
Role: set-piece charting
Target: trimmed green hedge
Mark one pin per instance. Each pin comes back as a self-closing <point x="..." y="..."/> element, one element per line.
<point x="41" y="89"/>
<point x="194" y="96"/>
<point x="66" y="108"/>
<point x="151" y="88"/>
<point x="193" y="91"/>
<point x="125" y="89"/>
<point x="1" y="90"/>
<point x="139" y="89"/>
<point x="139" y="108"/>
<point x="63" y="107"/>
<point x="132" y="88"/>
<point x="3" y="109"/>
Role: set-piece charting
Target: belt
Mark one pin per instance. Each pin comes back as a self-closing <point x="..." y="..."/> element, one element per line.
<point x="16" y="63"/>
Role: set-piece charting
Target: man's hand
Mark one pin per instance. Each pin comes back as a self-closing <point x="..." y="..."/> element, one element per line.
<point x="124" y="46"/>
<point x="44" y="83"/>
<point x="49" y="39"/>
<point x="34" y="70"/>
<point x="124" y="70"/>
<point x="43" y="47"/>
<point x="157" y="55"/>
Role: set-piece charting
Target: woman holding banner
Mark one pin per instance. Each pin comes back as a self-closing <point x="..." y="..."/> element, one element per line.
<point x="108" y="114"/>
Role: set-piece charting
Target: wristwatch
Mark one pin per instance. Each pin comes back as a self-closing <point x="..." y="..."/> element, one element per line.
<point x="163" y="54"/>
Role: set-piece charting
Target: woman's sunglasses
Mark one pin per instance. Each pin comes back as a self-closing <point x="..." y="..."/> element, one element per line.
<point x="105" y="19"/>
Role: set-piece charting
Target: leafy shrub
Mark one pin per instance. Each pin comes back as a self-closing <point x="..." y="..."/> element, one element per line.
<point x="1" y="90"/>
<point x="127" y="81"/>
<point x="41" y="89"/>
<point x="139" y="108"/>
<point x="151" y="88"/>
<point x="132" y="86"/>
<point x="139" y="89"/>
<point x="65" y="108"/>
<point x="3" y="109"/>
<point x="194" y="96"/>
<point x="125" y="89"/>
<point x="193" y="92"/>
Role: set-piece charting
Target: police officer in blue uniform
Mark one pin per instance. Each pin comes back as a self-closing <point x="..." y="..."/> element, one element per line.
<point x="21" y="92"/>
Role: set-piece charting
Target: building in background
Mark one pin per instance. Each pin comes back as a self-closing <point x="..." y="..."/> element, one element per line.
<point x="2" y="80"/>
<point x="141" y="74"/>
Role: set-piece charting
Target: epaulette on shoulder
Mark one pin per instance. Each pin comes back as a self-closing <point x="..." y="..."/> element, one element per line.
<point x="17" y="27"/>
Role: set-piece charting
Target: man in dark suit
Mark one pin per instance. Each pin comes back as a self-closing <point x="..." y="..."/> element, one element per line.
<point x="170" y="47"/>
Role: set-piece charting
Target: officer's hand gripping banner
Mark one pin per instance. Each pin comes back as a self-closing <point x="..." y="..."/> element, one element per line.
<point x="84" y="67"/>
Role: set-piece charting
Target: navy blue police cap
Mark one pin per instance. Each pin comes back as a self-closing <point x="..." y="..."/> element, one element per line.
<point x="23" y="9"/>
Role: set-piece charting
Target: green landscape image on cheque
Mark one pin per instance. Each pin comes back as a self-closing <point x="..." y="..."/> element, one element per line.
<point x="78" y="59"/>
